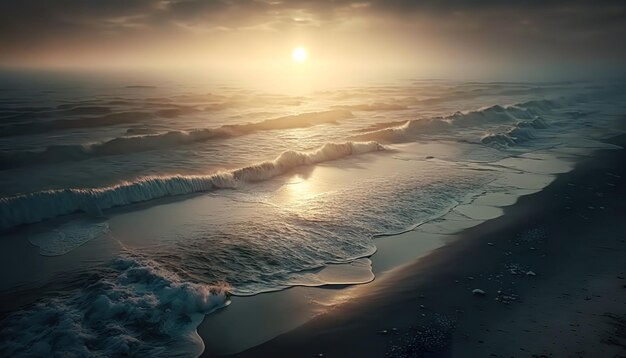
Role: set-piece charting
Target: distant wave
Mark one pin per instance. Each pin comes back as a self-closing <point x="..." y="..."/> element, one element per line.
<point x="85" y="110"/>
<point x="37" y="206"/>
<point x="177" y="111"/>
<point x="60" y="124"/>
<point x="378" y="106"/>
<point x="459" y="93"/>
<point x="140" y="143"/>
<point x="381" y="125"/>
<point x="439" y="125"/>
<point x="135" y="307"/>
<point x="141" y="87"/>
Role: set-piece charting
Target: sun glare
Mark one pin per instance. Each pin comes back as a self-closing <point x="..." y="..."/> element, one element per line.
<point x="299" y="54"/>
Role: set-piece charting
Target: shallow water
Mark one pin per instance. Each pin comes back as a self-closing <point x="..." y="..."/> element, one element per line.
<point x="143" y="206"/>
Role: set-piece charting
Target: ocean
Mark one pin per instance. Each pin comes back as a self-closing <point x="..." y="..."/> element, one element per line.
<point x="130" y="211"/>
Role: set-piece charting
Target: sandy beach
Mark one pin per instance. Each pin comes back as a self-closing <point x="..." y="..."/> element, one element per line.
<point x="551" y="274"/>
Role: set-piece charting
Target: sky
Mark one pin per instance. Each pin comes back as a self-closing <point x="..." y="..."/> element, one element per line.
<point x="411" y="38"/>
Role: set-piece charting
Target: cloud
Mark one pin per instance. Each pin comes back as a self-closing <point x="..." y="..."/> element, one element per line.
<point x="549" y="27"/>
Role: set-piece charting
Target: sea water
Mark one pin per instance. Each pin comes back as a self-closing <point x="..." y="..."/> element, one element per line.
<point x="129" y="212"/>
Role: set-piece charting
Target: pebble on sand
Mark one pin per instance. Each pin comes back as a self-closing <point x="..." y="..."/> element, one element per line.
<point x="478" y="292"/>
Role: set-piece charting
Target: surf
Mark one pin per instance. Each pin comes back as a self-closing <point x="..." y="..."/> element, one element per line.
<point x="37" y="206"/>
<point x="147" y="142"/>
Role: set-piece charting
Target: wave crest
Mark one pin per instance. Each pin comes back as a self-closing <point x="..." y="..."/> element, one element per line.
<point x="37" y="206"/>
<point x="495" y="114"/>
<point x="521" y="132"/>
<point x="138" y="309"/>
<point x="140" y="143"/>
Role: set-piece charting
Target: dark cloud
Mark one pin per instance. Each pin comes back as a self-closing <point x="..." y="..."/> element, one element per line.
<point x="576" y="26"/>
<point x="29" y="24"/>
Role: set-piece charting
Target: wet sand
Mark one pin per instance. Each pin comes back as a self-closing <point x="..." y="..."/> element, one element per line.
<point x="552" y="269"/>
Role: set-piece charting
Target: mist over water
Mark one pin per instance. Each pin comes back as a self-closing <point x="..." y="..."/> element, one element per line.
<point x="200" y="192"/>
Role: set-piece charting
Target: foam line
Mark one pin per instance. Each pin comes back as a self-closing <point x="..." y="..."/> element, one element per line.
<point x="37" y="206"/>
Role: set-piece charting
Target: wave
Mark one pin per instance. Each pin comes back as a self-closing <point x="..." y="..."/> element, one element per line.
<point x="521" y="132"/>
<point x="68" y="236"/>
<point x="60" y="124"/>
<point x="440" y="125"/>
<point x="544" y="104"/>
<point x="177" y="111"/>
<point x="407" y="131"/>
<point x="86" y="110"/>
<point x="140" y="143"/>
<point x="140" y="87"/>
<point x="135" y="308"/>
<point x="378" y="106"/>
<point x="37" y="206"/>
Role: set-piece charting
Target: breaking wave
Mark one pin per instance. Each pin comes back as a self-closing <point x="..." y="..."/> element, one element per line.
<point x="429" y="126"/>
<point x="34" y="207"/>
<point x="134" y="308"/>
<point x="140" y="143"/>
<point x="521" y="132"/>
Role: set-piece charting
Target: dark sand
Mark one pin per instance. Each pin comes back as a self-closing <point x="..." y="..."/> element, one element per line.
<point x="571" y="235"/>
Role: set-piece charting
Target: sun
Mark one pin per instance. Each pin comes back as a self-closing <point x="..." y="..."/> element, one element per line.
<point x="299" y="54"/>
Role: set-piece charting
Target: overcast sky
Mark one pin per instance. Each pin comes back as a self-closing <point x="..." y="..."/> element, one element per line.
<point x="408" y="35"/>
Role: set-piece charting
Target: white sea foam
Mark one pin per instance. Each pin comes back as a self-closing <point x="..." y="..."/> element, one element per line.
<point x="520" y="132"/>
<point x="529" y="113"/>
<point x="135" y="308"/>
<point x="68" y="236"/>
<point x="34" y="207"/>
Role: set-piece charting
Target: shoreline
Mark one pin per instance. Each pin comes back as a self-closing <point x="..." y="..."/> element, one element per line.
<point x="541" y="242"/>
